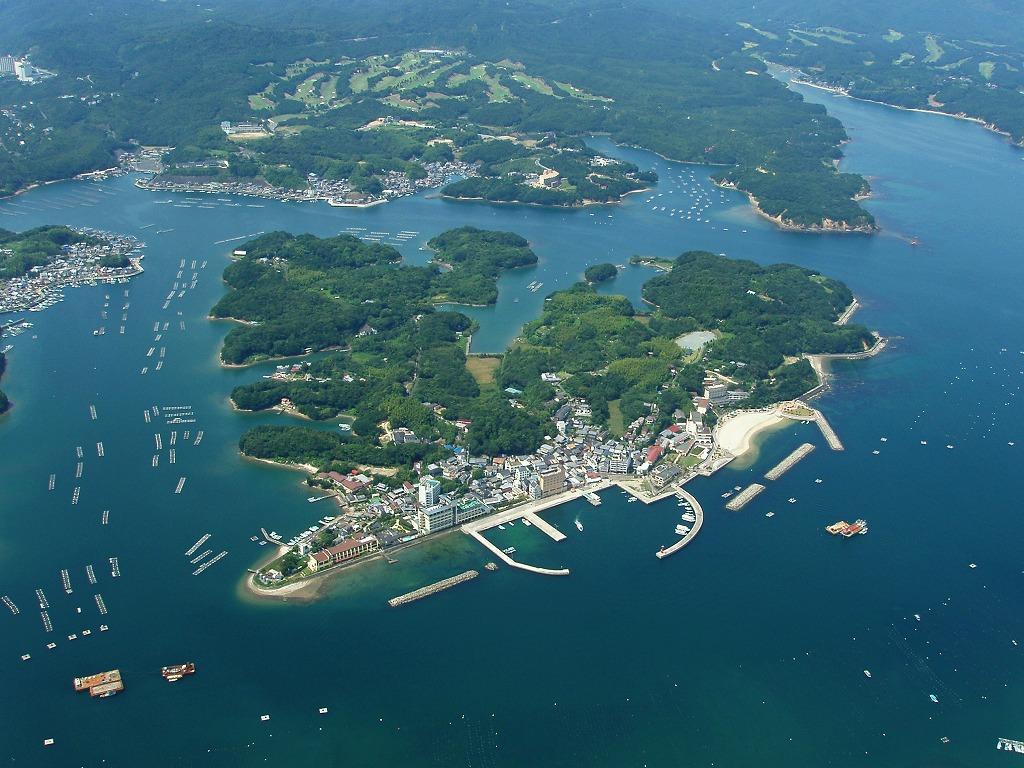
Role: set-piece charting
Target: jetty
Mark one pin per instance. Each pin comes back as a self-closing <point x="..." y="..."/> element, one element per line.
<point x="431" y="589"/>
<point x="744" y="497"/>
<point x="789" y="462"/>
<point x="830" y="434"/>
<point x="698" y="513"/>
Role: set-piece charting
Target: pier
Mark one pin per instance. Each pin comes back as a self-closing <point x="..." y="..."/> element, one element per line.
<point x="789" y="462"/>
<point x="698" y="512"/>
<point x="744" y="497"/>
<point x="431" y="589"/>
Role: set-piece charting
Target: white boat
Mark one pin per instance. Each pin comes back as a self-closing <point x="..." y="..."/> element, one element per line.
<point x="579" y="526"/>
<point x="867" y="673"/>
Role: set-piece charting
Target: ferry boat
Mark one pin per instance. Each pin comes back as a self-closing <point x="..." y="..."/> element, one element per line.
<point x="579" y="526"/>
<point x="177" y="671"/>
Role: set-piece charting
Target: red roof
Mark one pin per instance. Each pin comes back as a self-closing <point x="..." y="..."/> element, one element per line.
<point x="674" y="428"/>
<point x="653" y="453"/>
<point x="321" y="557"/>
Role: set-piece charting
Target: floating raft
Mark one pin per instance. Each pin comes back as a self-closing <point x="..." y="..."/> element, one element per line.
<point x="431" y="589"/>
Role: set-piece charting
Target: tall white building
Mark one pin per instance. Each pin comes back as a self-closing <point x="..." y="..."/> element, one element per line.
<point x="430" y="492"/>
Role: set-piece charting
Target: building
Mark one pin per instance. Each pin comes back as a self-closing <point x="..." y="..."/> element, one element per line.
<point x="436" y="517"/>
<point x="430" y="492"/>
<point x="551" y="481"/>
<point x="6" y="65"/>
<point x="716" y="393"/>
<point x="469" y="509"/>
<point x="339" y="553"/>
<point x="620" y="463"/>
<point x="665" y="474"/>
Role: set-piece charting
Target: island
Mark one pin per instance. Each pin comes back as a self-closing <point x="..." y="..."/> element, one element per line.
<point x="598" y="273"/>
<point x="419" y="435"/>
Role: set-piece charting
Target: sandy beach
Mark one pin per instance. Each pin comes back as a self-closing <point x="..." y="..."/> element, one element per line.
<point x="736" y="433"/>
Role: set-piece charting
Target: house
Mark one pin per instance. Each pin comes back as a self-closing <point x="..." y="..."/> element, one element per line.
<point x="339" y="553"/>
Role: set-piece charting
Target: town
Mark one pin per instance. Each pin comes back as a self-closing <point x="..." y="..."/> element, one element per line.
<point x="575" y="460"/>
<point x="103" y="258"/>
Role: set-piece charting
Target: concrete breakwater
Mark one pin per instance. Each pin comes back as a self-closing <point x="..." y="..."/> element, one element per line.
<point x="744" y="497"/>
<point x="789" y="462"/>
<point x="830" y="434"/>
<point x="430" y="589"/>
<point x="698" y="513"/>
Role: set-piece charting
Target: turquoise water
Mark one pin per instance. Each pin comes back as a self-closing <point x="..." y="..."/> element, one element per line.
<point x="747" y="647"/>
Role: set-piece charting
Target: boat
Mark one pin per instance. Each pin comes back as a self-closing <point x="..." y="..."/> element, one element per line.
<point x="175" y="672"/>
<point x="526" y="521"/>
<point x="509" y="550"/>
<point x="934" y="698"/>
<point x="579" y="526"/>
<point x="867" y="673"/>
<point x="501" y="527"/>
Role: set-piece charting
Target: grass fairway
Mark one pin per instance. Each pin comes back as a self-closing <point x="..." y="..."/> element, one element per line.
<point x="483" y="369"/>
<point x="258" y="101"/>
<point x="533" y="83"/>
<point x="616" y="424"/>
<point x="935" y="51"/>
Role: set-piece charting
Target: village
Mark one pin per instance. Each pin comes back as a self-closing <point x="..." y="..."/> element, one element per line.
<point x="114" y="259"/>
<point x="578" y="456"/>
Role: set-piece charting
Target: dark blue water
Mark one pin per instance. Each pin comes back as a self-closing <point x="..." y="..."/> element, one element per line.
<point x="746" y="648"/>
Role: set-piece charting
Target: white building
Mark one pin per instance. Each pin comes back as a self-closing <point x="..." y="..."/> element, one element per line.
<point x="430" y="492"/>
<point x="620" y="463"/>
<point x="437" y="517"/>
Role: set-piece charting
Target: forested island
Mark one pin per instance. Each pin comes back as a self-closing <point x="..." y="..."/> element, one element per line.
<point x="405" y="390"/>
<point x="598" y="273"/>
<point x="348" y="111"/>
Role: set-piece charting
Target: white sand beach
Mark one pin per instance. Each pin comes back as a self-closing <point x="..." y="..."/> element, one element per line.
<point x="736" y="433"/>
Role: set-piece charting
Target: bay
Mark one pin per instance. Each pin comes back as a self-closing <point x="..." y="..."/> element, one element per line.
<point x="748" y="646"/>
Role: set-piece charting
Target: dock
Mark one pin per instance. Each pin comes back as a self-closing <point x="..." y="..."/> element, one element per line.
<point x="431" y="589"/>
<point x="789" y="462"/>
<point x="698" y="512"/>
<point x="744" y="497"/>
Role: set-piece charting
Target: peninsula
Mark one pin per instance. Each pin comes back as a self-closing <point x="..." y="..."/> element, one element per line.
<point x="428" y="438"/>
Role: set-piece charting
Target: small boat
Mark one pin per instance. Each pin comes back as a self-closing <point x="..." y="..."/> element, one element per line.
<point x="501" y="527"/>
<point x="579" y="526"/>
<point x="867" y="673"/>
<point x="934" y="698"/>
<point x="769" y="514"/>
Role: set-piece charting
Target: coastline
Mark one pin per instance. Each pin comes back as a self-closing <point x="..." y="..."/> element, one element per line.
<point x="827" y="226"/>
<point x="836" y="90"/>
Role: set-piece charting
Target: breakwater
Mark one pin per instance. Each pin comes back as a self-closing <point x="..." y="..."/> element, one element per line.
<point x="790" y="461"/>
<point x="430" y="589"/>
<point x="744" y="497"/>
